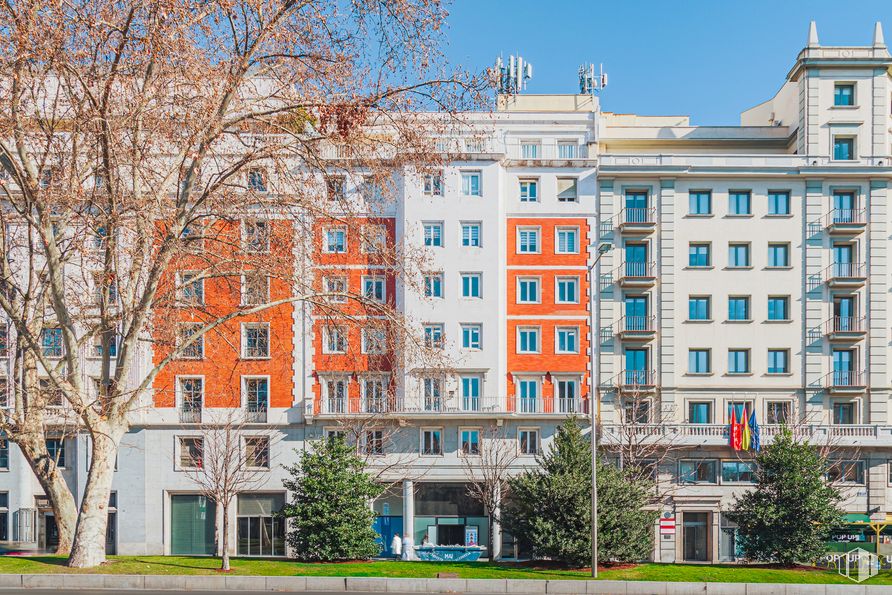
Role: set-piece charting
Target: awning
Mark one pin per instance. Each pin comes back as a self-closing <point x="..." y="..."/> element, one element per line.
<point x="854" y="517"/>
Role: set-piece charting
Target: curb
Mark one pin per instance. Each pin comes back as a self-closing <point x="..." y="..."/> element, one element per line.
<point x="359" y="584"/>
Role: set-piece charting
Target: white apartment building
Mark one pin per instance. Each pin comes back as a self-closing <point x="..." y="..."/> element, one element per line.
<point x="746" y="270"/>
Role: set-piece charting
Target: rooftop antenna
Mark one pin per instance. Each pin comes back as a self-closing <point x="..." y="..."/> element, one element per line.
<point x="511" y="78"/>
<point x="591" y="83"/>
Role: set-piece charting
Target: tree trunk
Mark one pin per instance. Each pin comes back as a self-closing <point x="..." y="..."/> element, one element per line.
<point x="225" y="538"/>
<point x="88" y="549"/>
<point x="54" y="486"/>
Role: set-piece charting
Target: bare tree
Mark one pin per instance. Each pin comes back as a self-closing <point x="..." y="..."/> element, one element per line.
<point x="136" y="137"/>
<point x="487" y="468"/>
<point x="232" y="457"/>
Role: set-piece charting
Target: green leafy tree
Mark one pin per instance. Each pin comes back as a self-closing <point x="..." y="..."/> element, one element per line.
<point x="549" y="508"/>
<point x="792" y="512"/>
<point x="330" y="516"/>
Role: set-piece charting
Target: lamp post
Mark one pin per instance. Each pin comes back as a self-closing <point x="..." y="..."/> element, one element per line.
<point x="594" y="317"/>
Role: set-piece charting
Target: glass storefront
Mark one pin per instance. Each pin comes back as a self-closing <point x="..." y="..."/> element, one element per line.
<point x="261" y="532"/>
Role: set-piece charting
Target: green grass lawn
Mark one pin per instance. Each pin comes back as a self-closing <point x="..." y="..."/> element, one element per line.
<point x="259" y="567"/>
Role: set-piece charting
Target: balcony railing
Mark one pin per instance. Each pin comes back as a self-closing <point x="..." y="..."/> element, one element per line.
<point x="635" y="380"/>
<point x="636" y="273"/>
<point x="455" y="405"/>
<point x="845" y="380"/>
<point x="190" y="414"/>
<point x="717" y="434"/>
<point x="256" y="413"/>
<point x="845" y="327"/>
<point x="852" y="219"/>
<point x="846" y="271"/>
<point x="631" y="327"/>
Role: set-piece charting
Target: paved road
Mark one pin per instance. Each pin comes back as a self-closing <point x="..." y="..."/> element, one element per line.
<point x="143" y="592"/>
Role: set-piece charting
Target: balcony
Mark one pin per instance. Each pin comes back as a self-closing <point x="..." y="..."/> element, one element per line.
<point x="636" y="328"/>
<point x="638" y="220"/>
<point x="547" y="406"/>
<point x="846" y="381"/>
<point x="845" y="221"/>
<point x="694" y="435"/>
<point x="636" y="274"/>
<point x="256" y="413"/>
<point x="453" y="406"/>
<point x="636" y="381"/>
<point x="846" y="274"/>
<point x="190" y="414"/>
<point x="845" y="328"/>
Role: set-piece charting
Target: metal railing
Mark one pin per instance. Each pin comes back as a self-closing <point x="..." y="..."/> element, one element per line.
<point x="636" y="324"/>
<point x="455" y="405"/>
<point x="716" y="432"/>
<point x="845" y="270"/>
<point x="634" y="271"/>
<point x="845" y="324"/>
<point x="190" y="414"/>
<point x="256" y="413"/>
<point x="635" y="379"/>
<point x="845" y="379"/>
<point x="846" y="217"/>
<point x="638" y="216"/>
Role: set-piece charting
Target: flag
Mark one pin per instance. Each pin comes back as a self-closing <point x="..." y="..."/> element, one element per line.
<point x="754" y="430"/>
<point x="734" y="431"/>
<point x="745" y="431"/>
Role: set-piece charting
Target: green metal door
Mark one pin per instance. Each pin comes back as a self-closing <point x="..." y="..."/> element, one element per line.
<point x="192" y="525"/>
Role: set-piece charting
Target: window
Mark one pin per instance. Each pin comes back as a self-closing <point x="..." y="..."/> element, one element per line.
<point x="433" y="394"/>
<point x="191" y="288"/>
<point x="374" y="395"/>
<point x="698" y="361"/>
<point x="739" y="308"/>
<point x="373" y="288"/>
<point x="191" y="452"/>
<point x="527" y="240"/>
<point x="335" y="340"/>
<point x="4" y="392"/>
<point x="528" y="290"/>
<point x="697" y="471"/>
<point x="374" y="341"/>
<point x="255" y="289"/>
<point x="778" y="202"/>
<point x="256" y="398"/>
<point x="738" y="255"/>
<point x="846" y="472"/>
<point x="4" y="455"/>
<point x="528" y="339"/>
<point x="433" y="285"/>
<point x="567" y="395"/>
<point x="529" y="150"/>
<point x="739" y="203"/>
<point x="433" y="234"/>
<point x="699" y="308"/>
<point x="374" y="442"/>
<point x="778" y="361"/>
<point x="334" y="187"/>
<point x="471" y="285"/>
<point x="528" y="391"/>
<point x="374" y="239"/>
<point x="470" y="183"/>
<point x="843" y="412"/>
<point x="433" y="336"/>
<point x="335" y="395"/>
<point x="568" y="149"/>
<point x="470" y="235"/>
<point x="433" y="184"/>
<point x="566" y="190"/>
<point x="195" y="349"/>
<point x="336" y="240"/>
<point x="257" y="180"/>
<point x="470" y="336"/>
<point x="261" y="530"/>
<point x="699" y="255"/>
<point x="567" y="340"/>
<point x="636" y="411"/>
<point x="470" y="442"/>
<point x="779" y="308"/>
<point x="470" y="393"/>
<point x="700" y="412"/>
<point x="567" y="290"/>
<point x="778" y="255"/>
<point x="529" y="441"/>
<point x="51" y="342"/>
<point x="96" y="349"/>
<point x="739" y="471"/>
<point x="700" y="202"/>
<point x="777" y="412"/>
<point x="256" y="236"/>
<point x="4" y="339"/>
<point x="738" y="361"/>
<point x="55" y="448"/>
<point x="843" y="148"/>
<point x="337" y="288"/>
<point x="255" y="340"/>
<point x="843" y="95"/>
<point x="191" y="399"/>
<point x="257" y="452"/>
<point x="529" y="190"/>
<point x="53" y="396"/>
<point x="567" y="240"/>
<point x="431" y="442"/>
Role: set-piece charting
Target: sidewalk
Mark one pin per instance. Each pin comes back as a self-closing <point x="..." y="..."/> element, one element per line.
<point x="299" y="584"/>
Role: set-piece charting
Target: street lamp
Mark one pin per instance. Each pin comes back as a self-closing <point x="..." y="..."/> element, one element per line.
<point x="594" y="315"/>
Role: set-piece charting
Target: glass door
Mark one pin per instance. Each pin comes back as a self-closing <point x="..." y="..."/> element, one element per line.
<point x="636" y="260"/>
<point x="844" y="314"/>
<point x="843" y="367"/>
<point x="843" y="207"/>
<point x="636" y="207"/>
<point x="843" y="260"/>
<point x="695" y="526"/>
<point x="636" y="366"/>
<point x="636" y="313"/>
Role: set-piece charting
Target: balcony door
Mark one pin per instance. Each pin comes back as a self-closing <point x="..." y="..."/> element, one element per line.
<point x="843" y="260"/>
<point x="636" y="207"/>
<point x="636" y="260"/>
<point x="695" y="527"/>
<point x="843" y="367"/>
<point x="843" y="207"/>
<point x="636" y="366"/>
<point x="844" y="313"/>
<point x="636" y="313"/>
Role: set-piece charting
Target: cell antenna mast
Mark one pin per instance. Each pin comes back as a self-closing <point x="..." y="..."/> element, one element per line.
<point x="590" y="82"/>
<point x="511" y="78"/>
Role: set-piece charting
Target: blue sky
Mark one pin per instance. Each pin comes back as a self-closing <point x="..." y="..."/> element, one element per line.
<point x="710" y="60"/>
